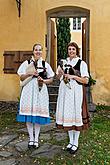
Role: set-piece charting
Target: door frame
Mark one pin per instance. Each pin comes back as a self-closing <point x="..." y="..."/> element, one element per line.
<point x="69" y="12"/>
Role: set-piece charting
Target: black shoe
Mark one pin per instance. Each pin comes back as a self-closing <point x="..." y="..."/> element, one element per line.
<point x="69" y="148"/>
<point x="73" y="151"/>
<point x="30" y="146"/>
<point x="36" y="145"/>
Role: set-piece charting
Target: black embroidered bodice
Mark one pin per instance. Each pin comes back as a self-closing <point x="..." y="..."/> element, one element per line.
<point x="42" y="74"/>
<point x="72" y="70"/>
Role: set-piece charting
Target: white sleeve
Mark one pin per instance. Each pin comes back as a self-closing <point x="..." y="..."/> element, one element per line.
<point x="22" y="68"/>
<point x="84" y="69"/>
<point x="50" y="72"/>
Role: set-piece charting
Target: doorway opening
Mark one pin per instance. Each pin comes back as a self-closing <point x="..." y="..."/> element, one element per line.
<point x="79" y="29"/>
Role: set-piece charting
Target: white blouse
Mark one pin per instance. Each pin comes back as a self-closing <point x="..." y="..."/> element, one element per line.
<point x="24" y="65"/>
<point x="83" y="66"/>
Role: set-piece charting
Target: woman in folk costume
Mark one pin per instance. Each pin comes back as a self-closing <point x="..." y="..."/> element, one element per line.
<point x="34" y="100"/>
<point x="71" y="112"/>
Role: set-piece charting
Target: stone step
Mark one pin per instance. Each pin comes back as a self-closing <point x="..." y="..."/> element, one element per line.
<point x="52" y="106"/>
<point x="56" y="82"/>
<point x="53" y="97"/>
<point x="53" y="94"/>
<point x="53" y="89"/>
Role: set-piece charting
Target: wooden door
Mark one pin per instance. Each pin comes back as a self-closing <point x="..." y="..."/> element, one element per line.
<point x="53" y="46"/>
<point x="84" y="42"/>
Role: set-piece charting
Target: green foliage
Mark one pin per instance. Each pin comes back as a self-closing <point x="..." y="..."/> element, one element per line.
<point x="102" y="107"/>
<point x="18" y="98"/>
<point x="91" y="81"/>
<point x="8" y="121"/>
<point x="63" y="37"/>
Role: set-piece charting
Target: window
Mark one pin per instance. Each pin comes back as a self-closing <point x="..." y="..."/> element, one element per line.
<point x="77" y="23"/>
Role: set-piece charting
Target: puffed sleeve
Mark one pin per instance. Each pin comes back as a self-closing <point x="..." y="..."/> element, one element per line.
<point x="50" y="72"/>
<point x="84" y="69"/>
<point x="22" y="68"/>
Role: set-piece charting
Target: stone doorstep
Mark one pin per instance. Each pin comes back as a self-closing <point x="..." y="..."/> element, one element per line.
<point x="53" y="89"/>
<point x="53" y="97"/>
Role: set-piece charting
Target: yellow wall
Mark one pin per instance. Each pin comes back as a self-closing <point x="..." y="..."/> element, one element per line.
<point x="17" y="34"/>
<point x="21" y="33"/>
<point x="77" y="37"/>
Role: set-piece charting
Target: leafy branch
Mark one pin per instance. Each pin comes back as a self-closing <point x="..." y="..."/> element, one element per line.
<point x="91" y="81"/>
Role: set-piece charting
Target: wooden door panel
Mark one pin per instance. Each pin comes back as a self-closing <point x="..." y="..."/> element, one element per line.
<point x="84" y="29"/>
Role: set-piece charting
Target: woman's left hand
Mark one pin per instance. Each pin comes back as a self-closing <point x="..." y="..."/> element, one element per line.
<point x="83" y="80"/>
<point x="68" y="76"/>
<point x="40" y="79"/>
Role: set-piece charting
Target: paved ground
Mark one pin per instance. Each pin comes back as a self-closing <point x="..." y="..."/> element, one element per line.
<point x="14" y="147"/>
<point x="14" y="144"/>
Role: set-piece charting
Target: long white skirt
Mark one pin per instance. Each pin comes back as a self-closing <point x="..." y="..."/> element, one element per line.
<point x="69" y="105"/>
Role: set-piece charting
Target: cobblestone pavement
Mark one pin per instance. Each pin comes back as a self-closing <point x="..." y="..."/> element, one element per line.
<point x="14" y="147"/>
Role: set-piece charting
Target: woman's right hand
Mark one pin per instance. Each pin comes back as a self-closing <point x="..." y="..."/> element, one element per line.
<point x="35" y="73"/>
<point x="60" y="71"/>
<point x="25" y="76"/>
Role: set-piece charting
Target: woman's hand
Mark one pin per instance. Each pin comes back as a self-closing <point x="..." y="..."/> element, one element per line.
<point x="68" y="76"/>
<point x="25" y="76"/>
<point x="60" y="71"/>
<point x="83" y="80"/>
<point x="40" y="79"/>
<point x="35" y="74"/>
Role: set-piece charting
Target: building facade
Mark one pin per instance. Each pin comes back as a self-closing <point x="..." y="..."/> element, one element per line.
<point x="25" y="22"/>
